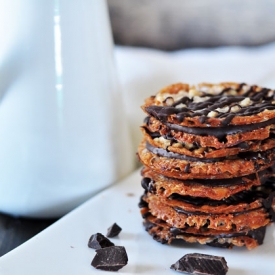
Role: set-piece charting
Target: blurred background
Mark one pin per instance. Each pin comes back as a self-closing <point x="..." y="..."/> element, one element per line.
<point x="172" y="25"/>
<point x="177" y="24"/>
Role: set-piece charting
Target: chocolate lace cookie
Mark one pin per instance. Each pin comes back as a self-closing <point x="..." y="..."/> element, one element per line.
<point x="194" y="150"/>
<point x="203" y="188"/>
<point x="212" y="105"/>
<point x="186" y="167"/>
<point x="210" y="136"/>
<point x="164" y="233"/>
<point x="224" y="215"/>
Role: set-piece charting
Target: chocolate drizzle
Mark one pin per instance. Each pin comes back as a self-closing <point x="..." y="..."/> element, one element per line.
<point x="265" y="156"/>
<point x="151" y="134"/>
<point x="148" y="184"/>
<point x="164" y="153"/>
<point x="219" y="132"/>
<point x="260" y="102"/>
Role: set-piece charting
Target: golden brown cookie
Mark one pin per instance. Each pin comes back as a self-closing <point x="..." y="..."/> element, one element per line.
<point x="178" y="217"/>
<point x="211" y="137"/>
<point x="212" y="105"/>
<point x="185" y="167"/>
<point x="205" y="188"/>
<point x="164" y="233"/>
<point x="193" y="150"/>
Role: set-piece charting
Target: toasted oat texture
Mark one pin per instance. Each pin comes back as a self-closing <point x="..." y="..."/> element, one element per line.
<point x="212" y="105"/>
<point x="213" y="189"/>
<point x="211" y="137"/>
<point x="184" y="167"/>
<point x="164" y="233"/>
<point x="180" y="215"/>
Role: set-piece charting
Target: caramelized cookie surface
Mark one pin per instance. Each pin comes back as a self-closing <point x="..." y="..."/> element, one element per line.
<point x="212" y="105"/>
<point x="185" y="167"/>
<point x="211" y="137"/>
<point x="243" y="216"/>
<point x="164" y="233"/>
<point x="203" y="188"/>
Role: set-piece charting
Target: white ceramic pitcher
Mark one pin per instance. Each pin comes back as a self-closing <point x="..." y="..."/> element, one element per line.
<point x="63" y="136"/>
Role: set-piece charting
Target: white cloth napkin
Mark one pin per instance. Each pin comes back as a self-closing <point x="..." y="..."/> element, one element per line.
<point x="143" y="72"/>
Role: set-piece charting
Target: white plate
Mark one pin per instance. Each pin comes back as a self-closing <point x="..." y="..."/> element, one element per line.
<point x="62" y="248"/>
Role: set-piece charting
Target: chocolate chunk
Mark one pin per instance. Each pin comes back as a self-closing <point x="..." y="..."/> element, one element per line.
<point x="98" y="241"/>
<point x="110" y="258"/>
<point x="196" y="263"/>
<point x="113" y="230"/>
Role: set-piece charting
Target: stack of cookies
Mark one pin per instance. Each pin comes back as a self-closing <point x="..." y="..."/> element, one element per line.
<point x="209" y="162"/>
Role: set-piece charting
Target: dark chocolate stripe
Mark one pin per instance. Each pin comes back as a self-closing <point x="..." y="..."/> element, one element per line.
<point x="148" y="185"/>
<point x="248" y="156"/>
<point x="219" y="132"/>
<point x="164" y="153"/>
<point x="151" y="134"/>
<point x="260" y="102"/>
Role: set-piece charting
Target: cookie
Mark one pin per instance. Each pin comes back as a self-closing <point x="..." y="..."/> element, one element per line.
<point x="164" y="233"/>
<point x="194" y="150"/>
<point x="203" y="188"/>
<point x="186" y="167"/>
<point x="211" y="137"/>
<point x="242" y="212"/>
<point x="212" y="105"/>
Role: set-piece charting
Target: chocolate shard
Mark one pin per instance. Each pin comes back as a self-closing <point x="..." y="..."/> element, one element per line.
<point x="98" y="241"/>
<point x="110" y="258"/>
<point x="113" y="230"/>
<point x="203" y="264"/>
